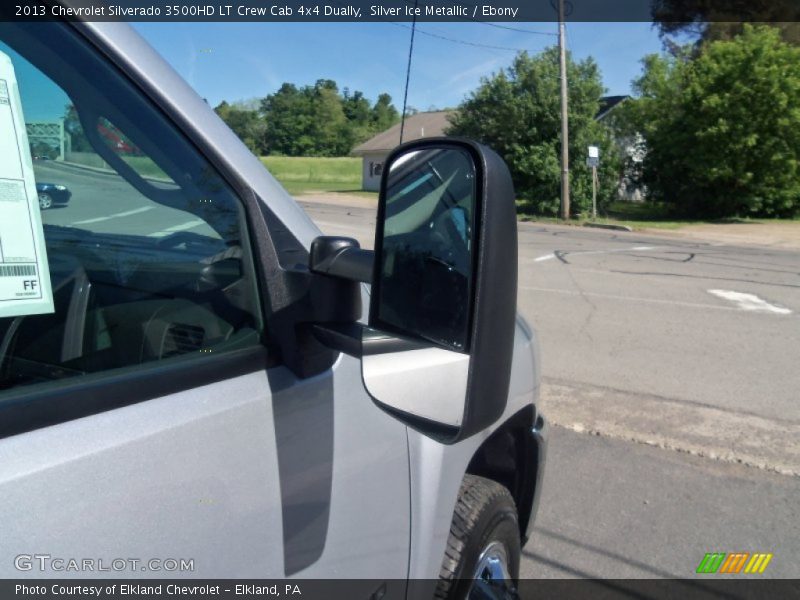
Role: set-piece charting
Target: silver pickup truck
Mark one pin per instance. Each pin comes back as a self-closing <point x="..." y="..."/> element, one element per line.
<point x="218" y="390"/>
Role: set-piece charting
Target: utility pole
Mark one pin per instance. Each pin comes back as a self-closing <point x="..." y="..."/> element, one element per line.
<point x="564" y="118"/>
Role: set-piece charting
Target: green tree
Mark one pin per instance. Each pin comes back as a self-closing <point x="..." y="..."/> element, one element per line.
<point x="517" y="113"/>
<point x="245" y="123"/>
<point x="358" y="112"/>
<point x="73" y="127"/>
<point x="319" y="121"/>
<point x="288" y="115"/>
<point x="723" y="129"/>
<point x="722" y="20"/>
<point x="356" y="108"/>
<point x="384" y="114"/>
<point x="329" y="127"/>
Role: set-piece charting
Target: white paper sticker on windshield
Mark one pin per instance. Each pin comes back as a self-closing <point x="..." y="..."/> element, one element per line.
<point x="24" y="274"/>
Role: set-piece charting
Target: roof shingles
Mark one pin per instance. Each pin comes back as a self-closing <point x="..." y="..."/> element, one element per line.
<point x="420" y="125"/>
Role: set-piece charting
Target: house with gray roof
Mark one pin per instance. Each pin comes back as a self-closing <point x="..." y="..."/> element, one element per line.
<point x="433" y="124"/>
<point x="375" y="150"/>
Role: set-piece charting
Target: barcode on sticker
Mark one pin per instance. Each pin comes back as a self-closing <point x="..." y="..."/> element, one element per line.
<point x="17" y="270"/>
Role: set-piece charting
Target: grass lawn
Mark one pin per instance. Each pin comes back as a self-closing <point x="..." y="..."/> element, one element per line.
<point x="642" y="216"/>
<point x="636" y="216"/>
<point x="650" y="216"/>
<point x="145" y="167"/>
<point x="301" y="174"/>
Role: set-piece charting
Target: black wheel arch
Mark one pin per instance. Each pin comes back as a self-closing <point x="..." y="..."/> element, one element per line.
<point x="510" y="456"/>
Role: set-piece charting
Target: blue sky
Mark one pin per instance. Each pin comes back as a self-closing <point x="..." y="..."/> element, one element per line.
<point x="238" y="61"/>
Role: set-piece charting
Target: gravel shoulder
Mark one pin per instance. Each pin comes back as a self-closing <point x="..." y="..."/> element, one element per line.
<point x="338" y="199"/>
<point x="687" y="427"/>
<point x="785" y="234"/>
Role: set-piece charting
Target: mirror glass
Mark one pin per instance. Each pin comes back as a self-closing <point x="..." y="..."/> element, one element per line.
<point x="426" y="252"/>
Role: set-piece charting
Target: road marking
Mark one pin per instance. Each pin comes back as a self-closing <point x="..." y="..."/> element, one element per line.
<point x="114" y="216"/>
<point x="627" y="298"/>
<point x="750" y="302"/>
<point x="180" y="227"/>
<point x="545" y="257"/>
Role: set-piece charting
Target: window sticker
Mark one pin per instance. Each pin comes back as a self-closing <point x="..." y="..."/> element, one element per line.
<point x="24" y="273"/>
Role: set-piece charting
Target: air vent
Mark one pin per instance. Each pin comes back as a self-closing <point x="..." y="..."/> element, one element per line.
<point x="182" y="339"/>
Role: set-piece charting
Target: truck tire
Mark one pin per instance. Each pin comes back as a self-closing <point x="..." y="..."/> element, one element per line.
<point x="484" y="541"/>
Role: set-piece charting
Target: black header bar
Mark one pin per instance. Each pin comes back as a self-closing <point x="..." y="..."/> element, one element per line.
<point x="516" y="11"/>
<point x="708" y="588"/>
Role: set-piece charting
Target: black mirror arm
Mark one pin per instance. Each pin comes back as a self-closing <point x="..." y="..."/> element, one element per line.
<point x="359" y="340"/>
<point x="341" y="257"/>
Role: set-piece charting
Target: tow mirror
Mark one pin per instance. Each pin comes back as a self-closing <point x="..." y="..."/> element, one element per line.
<point x="439" y="345"/>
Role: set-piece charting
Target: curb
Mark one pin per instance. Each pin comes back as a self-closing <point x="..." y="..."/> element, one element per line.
<point x="612" y="227"/>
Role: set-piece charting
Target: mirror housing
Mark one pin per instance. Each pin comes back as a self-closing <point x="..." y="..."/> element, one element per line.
<point x="438" y="350"/>
<point x="493" y="287"/>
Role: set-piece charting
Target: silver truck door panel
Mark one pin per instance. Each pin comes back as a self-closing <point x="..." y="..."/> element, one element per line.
<point x="196" y="475"/>
<point x="343" y="462"/>
<point x="368" y="531"/>
<point x="191" y="475"/>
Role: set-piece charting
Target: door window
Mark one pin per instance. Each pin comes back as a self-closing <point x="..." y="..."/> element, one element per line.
<point x="149" y="259"/>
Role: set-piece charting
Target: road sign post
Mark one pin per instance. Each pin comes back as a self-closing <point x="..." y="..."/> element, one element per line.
<point x="593" y="161"/>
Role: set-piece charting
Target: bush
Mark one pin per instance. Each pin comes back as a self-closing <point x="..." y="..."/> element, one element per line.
<point x="723" y="129"/>
<point x="517" y="112"/>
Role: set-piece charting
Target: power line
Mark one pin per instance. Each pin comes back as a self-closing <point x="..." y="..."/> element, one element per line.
<point x="468" y="20"/>
<point x="456" y="41"/>
<point x="408" y="72"/>
<point x="464" y="42"/>
<point x="508" y="27"/>
<point x="531" y="31"/>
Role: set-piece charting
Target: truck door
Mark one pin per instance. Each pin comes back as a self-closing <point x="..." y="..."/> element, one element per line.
<point x="149" y="423"/>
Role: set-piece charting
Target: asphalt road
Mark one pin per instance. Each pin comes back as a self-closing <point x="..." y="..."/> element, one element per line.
<point x="613" y="509"/>
<point x="106" y="203"/>
<point x="673" y="405"/>
<point x="666" y="341"/>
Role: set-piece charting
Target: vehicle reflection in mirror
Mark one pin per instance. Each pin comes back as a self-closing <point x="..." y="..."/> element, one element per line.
<point x="426" y="259"/>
